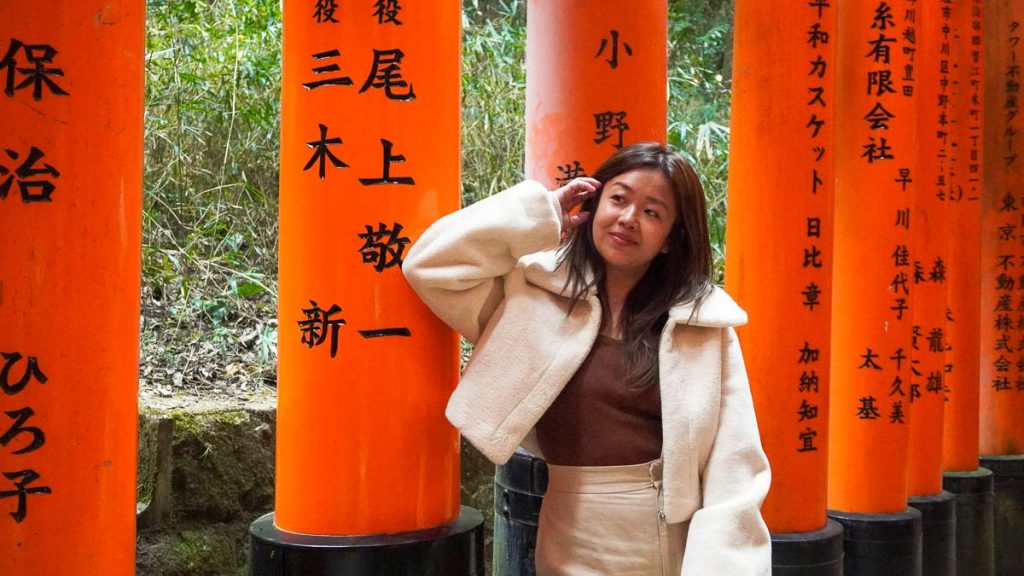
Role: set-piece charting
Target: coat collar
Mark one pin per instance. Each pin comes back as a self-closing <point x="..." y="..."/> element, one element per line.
<point x="716" y="310"/>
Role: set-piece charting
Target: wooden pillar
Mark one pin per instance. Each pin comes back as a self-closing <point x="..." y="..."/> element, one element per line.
<point x="369" y="158"/>
<point x="595" y="81"/>
<point x="779" y="241"/>
<point x="71" y="96"/>
<point x="781" y="186"/>
<point x="930" y="230"/>
<point x="971" y="484"/>
<point x="963" y="195"/>
<point x="929" y="339"/>
<point x="872" y="306"/>
<point x="1002" y="279"/>
<point x="872" y="314"/>
<point x="1002" y="235"/>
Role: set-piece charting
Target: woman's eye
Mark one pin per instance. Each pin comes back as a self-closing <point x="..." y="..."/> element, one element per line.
<point x="653" y="213"/>
<point x="616" y="197"/>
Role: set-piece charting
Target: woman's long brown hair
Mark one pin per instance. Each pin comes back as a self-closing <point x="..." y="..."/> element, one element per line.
<point x="681" y="275"/>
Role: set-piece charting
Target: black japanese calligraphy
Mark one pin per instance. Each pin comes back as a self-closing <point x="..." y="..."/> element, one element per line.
<point x="324" y="10"/>
<point x="383" y="247"/>
<point x="33" y="70"/>
<point x="388" y="160"/>
<point x="327" y="69"/>
<point x="386" y="74"/>
<point x="35" y="182"/>
<point x="322" y="154"/>
<point x="386" y="11"/>
<point x="569" y="172"/>
<point x="21" y="480"/>
<point x="318" y="323"/>
<point x="20" y="417"/>
<point x="613" y="59"/>
<point x="31" y="372"/>
<point x="610" y="125"/>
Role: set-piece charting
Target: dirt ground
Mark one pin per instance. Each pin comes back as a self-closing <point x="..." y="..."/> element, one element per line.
<point x="195" y="352"/>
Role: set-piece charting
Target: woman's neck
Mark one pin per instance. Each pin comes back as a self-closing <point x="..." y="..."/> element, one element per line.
<point x="616" y="290"/>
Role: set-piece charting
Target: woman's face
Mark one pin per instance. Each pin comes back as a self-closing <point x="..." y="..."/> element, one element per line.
<point x="633" y="220"/>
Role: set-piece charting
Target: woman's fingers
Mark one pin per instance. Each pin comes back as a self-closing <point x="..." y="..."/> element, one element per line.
<point x="575" y="192"/>
<point x="574" y="221"/>
<point x="572" y="195"/>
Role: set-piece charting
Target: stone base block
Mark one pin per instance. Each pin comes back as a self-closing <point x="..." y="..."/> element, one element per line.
<point x="975" y="530"/>
<point x="818" y="553"/>
<point x="1008" y="512"/>
<point x="881" y="544"/>
<point x="938" y="532"/>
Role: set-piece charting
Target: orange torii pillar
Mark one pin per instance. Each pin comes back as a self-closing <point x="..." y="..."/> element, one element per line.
<point x="779" y="260"/>
<point x="961" y="27"/>
<point x="596" y="73"/>
<point x="875" y="162"/>
<point x="71" y="97"/>
<point x="928" y="338"/>
<point x="1002" y="273"/>
<point x="367" y="465"/>
<point x="592" y="87"/>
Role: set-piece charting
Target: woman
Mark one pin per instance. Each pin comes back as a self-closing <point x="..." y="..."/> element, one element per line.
<point x="615" y="359"/>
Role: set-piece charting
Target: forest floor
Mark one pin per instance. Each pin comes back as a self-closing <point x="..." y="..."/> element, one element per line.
<point x="189" y="356"/>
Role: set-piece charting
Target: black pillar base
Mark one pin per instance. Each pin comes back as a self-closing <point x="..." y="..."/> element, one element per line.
<point x="818" y="553"/>
<point x="455" y="549"/>
<point x="938" y="533"/>
<point x="519" y="487"/>
<point x="1008" y="511"/>
<point x="975" y="535"/>
<point x="881" y="544"/>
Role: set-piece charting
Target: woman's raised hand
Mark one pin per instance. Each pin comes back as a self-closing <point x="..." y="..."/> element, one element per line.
<point x="571" y="195"/>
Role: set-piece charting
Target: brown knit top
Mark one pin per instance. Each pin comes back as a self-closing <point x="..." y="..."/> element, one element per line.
<point x="598" y="420"/>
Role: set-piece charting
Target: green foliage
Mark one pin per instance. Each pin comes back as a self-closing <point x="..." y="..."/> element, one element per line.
<point x="210" y="222"/>
<point x="493" y="97"/>
<point x="700" y="85"/>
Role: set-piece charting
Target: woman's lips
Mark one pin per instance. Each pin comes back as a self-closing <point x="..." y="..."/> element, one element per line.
<point x="621" y="240"/>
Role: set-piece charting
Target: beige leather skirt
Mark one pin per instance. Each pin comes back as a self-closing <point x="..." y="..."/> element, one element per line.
<point x="602" y="520"/>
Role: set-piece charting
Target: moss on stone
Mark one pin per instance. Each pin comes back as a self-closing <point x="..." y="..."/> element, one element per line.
<point x="223" y="464"/>
<point x="147" y="461"/>
<point x="214" y="550"/>
<point x="193" y="423"/>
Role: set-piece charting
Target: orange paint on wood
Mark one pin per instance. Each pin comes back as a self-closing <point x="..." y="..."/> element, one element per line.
<point x="930" y="229"/>
<point x="875" y="152"/>
<point x="71" y="98"/>
<point x="779" y="241"/>
<point x="963" y="195"/>
<point x="369" y="158"/>
<point x="1002" y="259"/>
<point x="596" y="80"/>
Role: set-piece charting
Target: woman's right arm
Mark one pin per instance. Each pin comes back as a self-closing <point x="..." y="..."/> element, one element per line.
<point x="458" y="263"/>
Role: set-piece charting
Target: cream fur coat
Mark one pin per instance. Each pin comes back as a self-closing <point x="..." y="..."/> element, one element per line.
<point x="488" y="272"/>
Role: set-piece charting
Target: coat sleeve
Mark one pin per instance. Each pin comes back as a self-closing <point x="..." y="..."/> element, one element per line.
<point x="458" y="264"/>
<point x="727" y="535"/>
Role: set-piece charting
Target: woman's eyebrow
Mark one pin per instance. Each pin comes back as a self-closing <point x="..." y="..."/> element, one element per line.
<point x="650" y="199"/>
<point x="657" y="201"/>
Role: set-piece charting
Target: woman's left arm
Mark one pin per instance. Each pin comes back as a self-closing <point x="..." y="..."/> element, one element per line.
<point x="727" y="534"/>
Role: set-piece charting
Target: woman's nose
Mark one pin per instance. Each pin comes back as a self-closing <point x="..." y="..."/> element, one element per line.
<point x="627" y="217"/>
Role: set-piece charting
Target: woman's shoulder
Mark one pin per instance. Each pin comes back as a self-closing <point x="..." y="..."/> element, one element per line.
<point x="716" y="309"/>
<point x="545" y="270"/>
